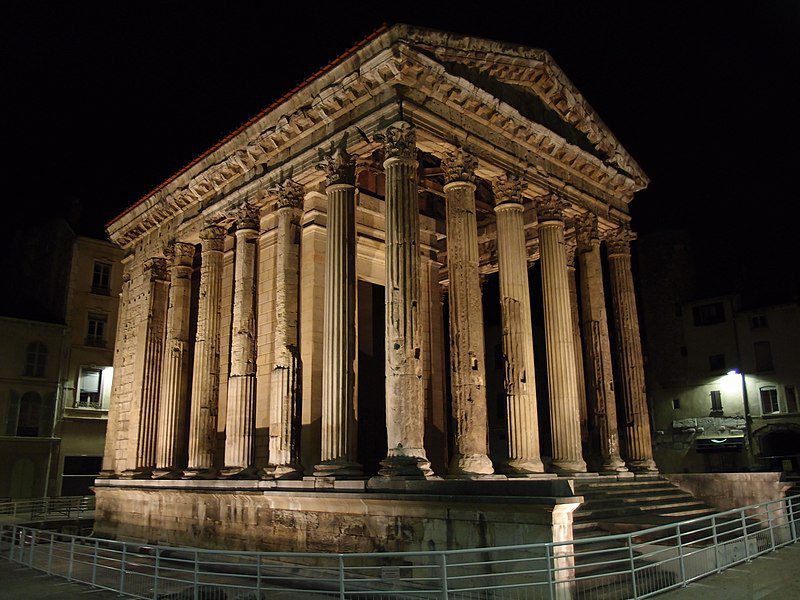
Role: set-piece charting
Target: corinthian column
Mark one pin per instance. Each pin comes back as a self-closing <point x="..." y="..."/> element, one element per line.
<point x="629" y="350"/>
<point x="175" y="369"/>
<point x="515" y="309"/>
<point x="570" y="246"/>
<point x="286" y="385"/>
<point x="598" y="348"/>
<point x="205" y="372"/>
<point x="240" y="413"/>
<point x="339" y="338"/>
<point x="405" y="406"/>
<point x="466" y="320"/>
<point x="147" y="377"/>
<point x="561" y="373"/>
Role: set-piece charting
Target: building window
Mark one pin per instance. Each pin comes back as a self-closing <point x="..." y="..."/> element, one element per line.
<point x="769" y="400"/>
<point x="758" y="322"/>
<point x="89" y="390"/>
<point x="708" y="314"/>
<point x="676" y="403"/>
<point x="763" y="353"/>
<point x="79" y="474"/>
<point x="35" y="359"/>
<point x="716" y="401"/>
<point x="96" y="331"/>
<point x="30" y="412"/>
<point x="791" y="399"/>
<point x="716" y="362"/>
<point x="101" y="278"/>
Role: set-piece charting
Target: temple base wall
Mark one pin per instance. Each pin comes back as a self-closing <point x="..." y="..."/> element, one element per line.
<point x="325" y="521"/>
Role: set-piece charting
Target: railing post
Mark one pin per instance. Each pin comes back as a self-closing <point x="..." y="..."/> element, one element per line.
<point x="50" y="554"/>
<point x="196" y="576"/>
<point x="122" y="569"/>
<point x="258" y="576"/>
<point x="11" y="542"/>
<point x="71" y="555"/>
<point x="792" y="527"/>
<point x="22" y="537"/>
<point x="33" y="548"/>
<point x="443" y="574"/>
<point x="633" y="567"/>
<point x="680" y="556"/>
<point x="744" y="532"/>
<point x="548" y="558"/>
<point x="155" y="573"/>
<point x="341" y="577"/>
<point x="769" y="525"/>
<point x="94" y="561"/>
<point x="716" y="542"/>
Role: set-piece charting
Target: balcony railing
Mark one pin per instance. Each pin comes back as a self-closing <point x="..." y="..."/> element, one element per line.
<point x="95" y="342"/>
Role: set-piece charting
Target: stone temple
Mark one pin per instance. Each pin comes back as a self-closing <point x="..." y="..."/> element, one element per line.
<point x="301" y="358"/>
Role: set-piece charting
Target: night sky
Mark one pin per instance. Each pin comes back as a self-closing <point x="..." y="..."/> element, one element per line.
<point x="104" y="101"/>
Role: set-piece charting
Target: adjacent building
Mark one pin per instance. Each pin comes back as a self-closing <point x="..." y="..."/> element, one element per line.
<point x="57" y="347"/>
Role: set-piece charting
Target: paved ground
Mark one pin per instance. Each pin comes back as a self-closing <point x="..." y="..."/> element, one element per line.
<point x="773" y="575"/>
<point x="20" y="582"/>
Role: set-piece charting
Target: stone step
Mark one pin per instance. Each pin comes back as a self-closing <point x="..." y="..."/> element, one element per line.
<point x="624" y="489"/>
<point x="598" y="502"/>
<point x="601" y="483"/>
<point x="667" y="508"/>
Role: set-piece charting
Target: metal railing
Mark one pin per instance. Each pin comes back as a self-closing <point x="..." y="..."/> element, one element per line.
<point x="37" y="509"/>
<point x="634" y="565"/>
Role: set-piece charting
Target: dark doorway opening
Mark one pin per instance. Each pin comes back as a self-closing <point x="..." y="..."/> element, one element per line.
<point x="371" y="409"/>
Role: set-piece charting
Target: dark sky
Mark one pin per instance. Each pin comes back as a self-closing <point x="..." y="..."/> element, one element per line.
<point x="106" y="100"/>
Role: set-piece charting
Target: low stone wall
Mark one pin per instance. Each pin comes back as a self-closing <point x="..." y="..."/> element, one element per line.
<point x="325" y="521"/>
<point x="727" y="491"/>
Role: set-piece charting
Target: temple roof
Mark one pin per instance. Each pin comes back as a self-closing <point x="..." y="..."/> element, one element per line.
<point x="524" y="79"/>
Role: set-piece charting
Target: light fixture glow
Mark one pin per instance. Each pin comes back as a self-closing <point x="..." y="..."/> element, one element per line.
<point x="733" y="372"/>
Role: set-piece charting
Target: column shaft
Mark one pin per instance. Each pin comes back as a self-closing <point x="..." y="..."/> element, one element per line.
<point x="576" y="341"/>
<point x="149" y="354"/>
<point x="561" y="372"/>
<point x="515" y="309"/>
<point x="171" y="445"/>
<point x="240" y="410"/>
<point x="286" y="385"/>
<point x="205" y="371"/>
<point x="405" y="407"/>
<point x="339" y="341"/>
<point x="602" y="399"/>
<point x="639" y="456"/>
<point x="468" y="369"/>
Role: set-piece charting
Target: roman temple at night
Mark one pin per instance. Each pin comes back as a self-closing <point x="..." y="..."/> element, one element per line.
<point x="401" y="292"/>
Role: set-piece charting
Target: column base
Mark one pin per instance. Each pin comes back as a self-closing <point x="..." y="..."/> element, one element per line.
<point x="645" y="465"/>
<point x="286" y="472"/>
<point x="238" y="473"/>
<point x="201" y="474"/>
<point x="522" y="467"/>
<point x="339" y="469"/>
<point x="469" y="466"/>
<point x="167" y="474"/>
<point x="612" y="466"/>
<point x="107" y="475"/>
<point x="406" y="466"/>
<point x="568" y="467"/>
<point x="136" y="474"/>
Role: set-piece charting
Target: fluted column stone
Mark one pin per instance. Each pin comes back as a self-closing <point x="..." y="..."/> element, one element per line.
<point x="602" y="399"/>
<point x="468" y="369"/>
<point x="205" y="370"/>
<point x="172" y="429"/>
<point x="561" y="372"/>
<point x="240" y="410"/>
<point x="338" y="450"/>
<point x="286" y="385"/>
<point x="405" y="405"/>
<point x="639" y="449"/>
<point x="515" y="309"/>
<point x="147" y="378"/>
<point x="570" y="245"/>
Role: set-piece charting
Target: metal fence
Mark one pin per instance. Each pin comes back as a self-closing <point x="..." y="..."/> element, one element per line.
<point x="60" y="507"/>
<point x="635" y="565"/>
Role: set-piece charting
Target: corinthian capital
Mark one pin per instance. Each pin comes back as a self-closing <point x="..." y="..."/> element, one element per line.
<point x="570" y="245"/>
<point x="459" y="165"/>
<point x="156" y="269"/>
<point x="339" y="167"/>
<point x="618" y="241"/>
<point x="508" y="190"/>
<point x="244" y="216"/>
<point x="586" y="231"/>
<point x="550" y="207"/>
<point x="290" y="194"/>
<point x="213" y="238"/>
<point x="179" y="253"/>
<point x="399" y="141"/>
